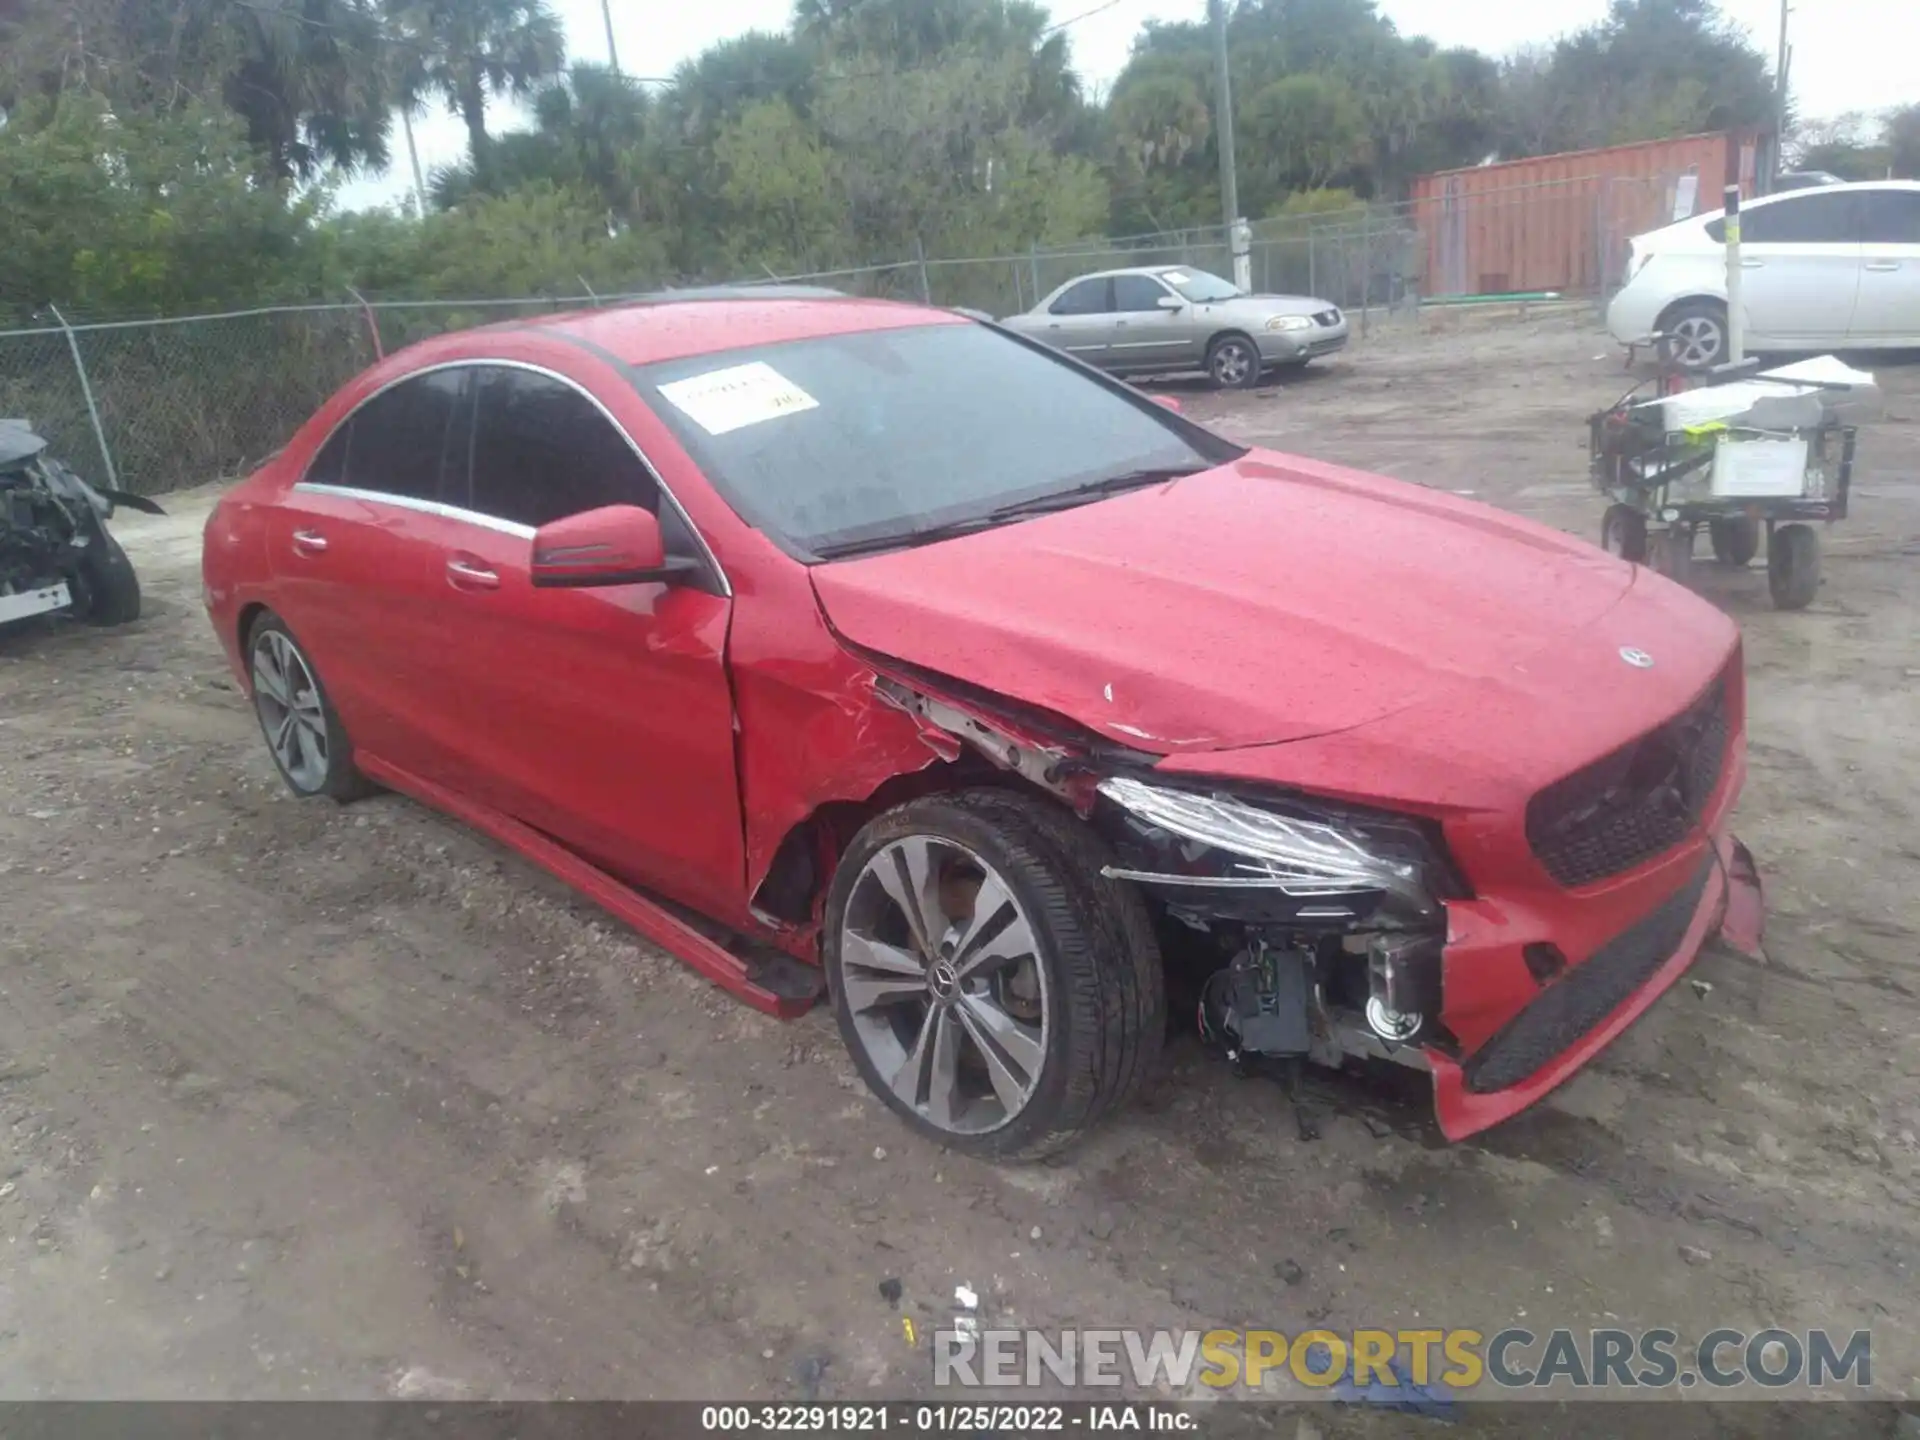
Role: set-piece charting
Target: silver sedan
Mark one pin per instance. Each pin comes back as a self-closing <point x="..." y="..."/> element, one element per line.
<point x="1160" y="318"/>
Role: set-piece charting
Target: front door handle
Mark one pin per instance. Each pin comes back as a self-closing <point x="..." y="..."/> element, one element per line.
<point x="1746" y="264"/>
<point x="308" y="542"/>
<point x="1882" y="266"/>
<point x="469" y="575"/>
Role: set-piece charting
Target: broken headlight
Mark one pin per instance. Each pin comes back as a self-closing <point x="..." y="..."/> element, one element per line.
<point x="1302" y="863"/>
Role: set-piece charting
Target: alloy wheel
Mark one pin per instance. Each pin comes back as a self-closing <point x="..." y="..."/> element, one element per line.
<point x="288" y="701"/>
<point x="941" y="971"/>
<point x="1232" y="363"/>
<point x="1697" y="342"/>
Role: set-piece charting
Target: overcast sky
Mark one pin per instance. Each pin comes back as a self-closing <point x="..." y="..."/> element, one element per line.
<point x="1847" y="54"/>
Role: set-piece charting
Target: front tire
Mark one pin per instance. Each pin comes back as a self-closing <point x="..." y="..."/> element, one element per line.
<point x="1623" y="532"/>
<point x="308" y="743"/>
<point x="1233" y="363"/>
<point x="994" y="989"/>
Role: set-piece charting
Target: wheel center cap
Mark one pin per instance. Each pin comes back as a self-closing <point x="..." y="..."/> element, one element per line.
<point x="943" y="979"/>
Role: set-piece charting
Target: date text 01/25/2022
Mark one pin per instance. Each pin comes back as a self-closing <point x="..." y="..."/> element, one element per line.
<point x="943" y="1419"/>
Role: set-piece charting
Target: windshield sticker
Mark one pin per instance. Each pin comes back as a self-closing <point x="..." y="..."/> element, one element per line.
<point x="741" y="395"/>
<point x="1174" y="277"/>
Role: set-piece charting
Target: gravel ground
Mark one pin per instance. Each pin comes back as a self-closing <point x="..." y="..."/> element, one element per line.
<point x="307" y="1101"/>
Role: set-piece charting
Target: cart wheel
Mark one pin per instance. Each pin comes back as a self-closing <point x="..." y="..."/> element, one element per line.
<point x="1736" y="540"/>
<point x="1793" y="566"/>
<point x="1673" y="554"/>
<point x="1623" y="532"/>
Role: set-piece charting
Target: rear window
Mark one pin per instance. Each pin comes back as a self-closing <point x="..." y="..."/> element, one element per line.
<point x="852" y="438"/>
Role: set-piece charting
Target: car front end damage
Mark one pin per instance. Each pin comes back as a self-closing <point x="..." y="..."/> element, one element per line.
<point x="56" y="555"/>
<point x="1496" y="946"/>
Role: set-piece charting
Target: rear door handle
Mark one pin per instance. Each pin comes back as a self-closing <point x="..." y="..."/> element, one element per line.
<point x="1746" y="264"/>
<point x="1883" y="265"/>
<point x="308" y="542"/>
<point x="469" y="575"/>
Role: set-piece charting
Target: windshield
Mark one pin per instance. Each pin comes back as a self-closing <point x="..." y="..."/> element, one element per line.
<point x="851" y="440"/>
<point x="1200" y="287"/>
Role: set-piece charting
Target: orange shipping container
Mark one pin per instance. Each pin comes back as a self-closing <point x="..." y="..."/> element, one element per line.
<point x="1562" y="222"/>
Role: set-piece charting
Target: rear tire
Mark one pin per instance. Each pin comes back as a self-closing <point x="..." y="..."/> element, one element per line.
<point x="1623" y="532"/>
<point x="304" y="735"/>
<point x="1696" y="335"/>
<point x="1736" y="540"/>
<point x="1793" y="566"/>
<point x="1672" y="553"/>
<point x="1006" y="1034"/>
<point x="1233" y="363"/>
<point x="109" y="590"/>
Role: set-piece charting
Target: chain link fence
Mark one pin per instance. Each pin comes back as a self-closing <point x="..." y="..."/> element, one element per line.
<point x="153" y="406"/>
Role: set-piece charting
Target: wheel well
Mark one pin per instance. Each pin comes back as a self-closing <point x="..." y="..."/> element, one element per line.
<point x="795" y="884"/>
<point x="248" y="615"/>
<point x="1231" y="335"/>
<point x="1660" y="323"/>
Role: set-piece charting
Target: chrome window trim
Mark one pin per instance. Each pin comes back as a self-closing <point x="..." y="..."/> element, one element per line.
<point x="507" y="527"/>
<point x="412" y="502"/>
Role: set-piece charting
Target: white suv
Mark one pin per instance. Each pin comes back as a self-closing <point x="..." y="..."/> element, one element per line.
<point x="1832" y="267"/>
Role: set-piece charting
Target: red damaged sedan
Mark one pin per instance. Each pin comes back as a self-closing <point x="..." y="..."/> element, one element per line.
<point x="835" y="642"/>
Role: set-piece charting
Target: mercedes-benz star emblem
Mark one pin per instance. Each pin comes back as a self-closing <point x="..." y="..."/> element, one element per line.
<point x="1639" y="659"/>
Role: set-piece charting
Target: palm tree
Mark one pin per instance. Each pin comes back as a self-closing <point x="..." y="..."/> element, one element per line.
<point x="311" y="83"/>
<point x="465" y="51"/>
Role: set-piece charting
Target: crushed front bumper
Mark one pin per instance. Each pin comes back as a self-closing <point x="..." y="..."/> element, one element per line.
<point x="1578" y="1011"/>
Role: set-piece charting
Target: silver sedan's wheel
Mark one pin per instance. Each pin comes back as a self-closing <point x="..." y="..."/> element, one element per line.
<point x="943" y="980"/>
<point x="994" y="988"/>
<point x="305" y="736"/>
<point x="290" y="713"/>
<point x="1233" y="363"/>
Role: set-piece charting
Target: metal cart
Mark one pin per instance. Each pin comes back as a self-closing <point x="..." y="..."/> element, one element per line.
<point x="1748" y="453"/>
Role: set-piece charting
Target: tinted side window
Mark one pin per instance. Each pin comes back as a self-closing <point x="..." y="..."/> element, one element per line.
<point x="1089" y="297"/>
<point x="1890" y="217"/>
<point x="329" y="467"/>
<point x="1137" y="292"/>
<point x="1814" y="218"/>
<point x="543" y="451"/>
<point x="395" y="442"/>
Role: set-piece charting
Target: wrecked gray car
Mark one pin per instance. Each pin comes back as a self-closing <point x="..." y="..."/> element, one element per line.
<point x="55" y="553"/>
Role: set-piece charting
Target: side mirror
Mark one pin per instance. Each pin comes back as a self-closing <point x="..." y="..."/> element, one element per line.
<point x="1171" y="302"/>
<point x="614" y="545"/>
<point x="1168" y="402"/>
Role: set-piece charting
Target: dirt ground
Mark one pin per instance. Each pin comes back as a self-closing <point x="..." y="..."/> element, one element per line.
<point x="308" y="1101"/>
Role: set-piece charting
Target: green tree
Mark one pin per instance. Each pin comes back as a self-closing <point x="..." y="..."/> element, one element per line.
<point x="780" y="195"/>
<point x="1902" y="139"/>
<point x="144" y="213"/>
<point x="308" y="78"/>
<point x="1304" y="131"/>
<point x="466" y="52"/>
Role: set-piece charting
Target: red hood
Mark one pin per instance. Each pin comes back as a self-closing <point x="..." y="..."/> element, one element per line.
<point x="1267" y="600"/>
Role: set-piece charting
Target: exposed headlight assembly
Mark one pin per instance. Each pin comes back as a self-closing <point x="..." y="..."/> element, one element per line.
<point x="1290" y="322"/>
<point x="1333" y="869"/>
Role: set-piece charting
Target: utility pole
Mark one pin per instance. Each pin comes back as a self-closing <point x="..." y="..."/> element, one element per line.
<point x="1223" y="115"/>
<point x="613" y="55"/>
<point x="1780" y="91"/>
<point x="413" y="158"/>
<point x="1236" y="228"/>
